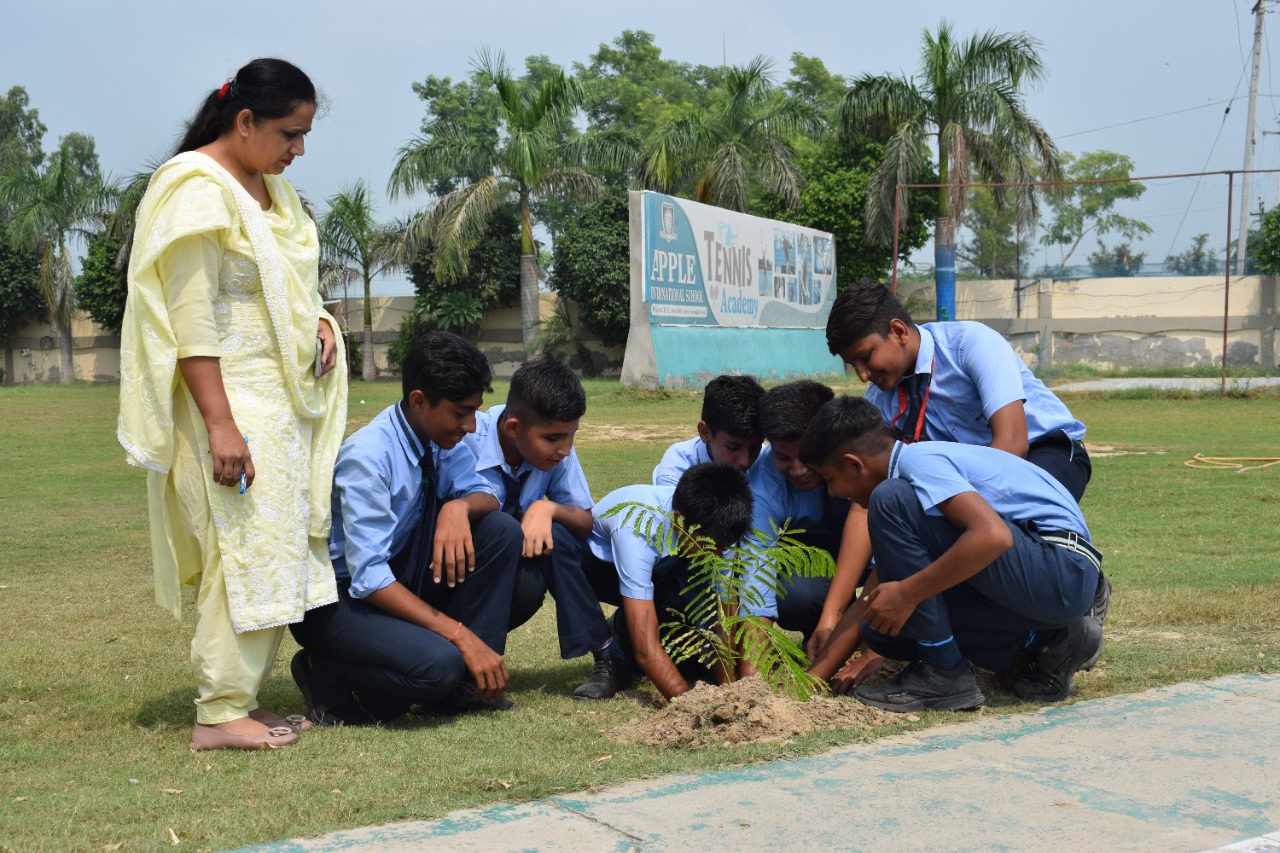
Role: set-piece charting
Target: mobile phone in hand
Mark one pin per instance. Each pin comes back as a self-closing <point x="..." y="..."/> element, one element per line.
<point x="319" y="357"/>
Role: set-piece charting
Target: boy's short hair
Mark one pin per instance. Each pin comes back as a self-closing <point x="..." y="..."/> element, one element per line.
<point x="716" y="498"/>
<point x="444" y="366"/>
<point x="785" y="411"/>
<point x="844" y="425"/>
<point x="861" y="310"/>
<point x="731" y="404"/>
<point x="544" y="389"/>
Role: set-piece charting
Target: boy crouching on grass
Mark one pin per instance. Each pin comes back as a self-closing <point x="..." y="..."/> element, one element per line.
<point x="729" y="432"/>
<point x="651" y="586"/>
<point x="980" y="557"/>
<point x="425" y="563"/>
<point x="524" y="451"/>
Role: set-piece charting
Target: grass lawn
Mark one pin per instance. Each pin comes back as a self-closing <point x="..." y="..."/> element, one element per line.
<point x="95" y="690"/>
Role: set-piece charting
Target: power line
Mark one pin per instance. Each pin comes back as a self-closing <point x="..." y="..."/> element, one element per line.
<point x="1161" y="115"/>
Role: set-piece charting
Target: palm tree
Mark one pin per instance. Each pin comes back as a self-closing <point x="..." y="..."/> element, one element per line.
<point x="745" y="136"/>
<point x="536" y="156"/>
<point x="50" y="208"/>
<point x="968" y="99"/>
<point x="354" y="247"/>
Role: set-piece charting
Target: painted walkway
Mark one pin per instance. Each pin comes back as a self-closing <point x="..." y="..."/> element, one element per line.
<point x="1179" y="383"/>
<point x="1186" y="768"/>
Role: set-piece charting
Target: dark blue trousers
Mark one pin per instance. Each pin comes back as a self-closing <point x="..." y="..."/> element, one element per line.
<point x="1034" y="586"/>
<point x="580" y="623"/>
<point x="1063" y="459"/>
<point x="389" y="663"/>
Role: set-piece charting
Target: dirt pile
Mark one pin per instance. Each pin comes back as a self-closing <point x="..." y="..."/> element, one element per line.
<point x="745" y="711"/>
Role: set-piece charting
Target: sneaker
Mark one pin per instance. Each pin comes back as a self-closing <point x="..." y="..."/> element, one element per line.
<point x="923" y="686"/>
<point x="330" y="701"/>
<point x="1098" y="610"/>
<point x="607" y="677"/>
<point x="1058" y="660"/>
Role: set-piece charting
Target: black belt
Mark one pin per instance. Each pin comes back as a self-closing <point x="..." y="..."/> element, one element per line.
<point x="1074" y="542"/>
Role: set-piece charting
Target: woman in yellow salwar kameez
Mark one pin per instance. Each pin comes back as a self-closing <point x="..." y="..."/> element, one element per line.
<point x="233" y="394"/>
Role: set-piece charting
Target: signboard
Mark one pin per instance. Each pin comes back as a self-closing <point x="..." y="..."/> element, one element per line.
<point x="708" y="266"/>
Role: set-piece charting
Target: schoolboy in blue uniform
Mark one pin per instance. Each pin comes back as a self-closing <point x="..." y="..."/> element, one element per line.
<point x="425" y="563"/>
<point x="958" y="381"/>
<point x="729" y="431"/>
<point x="788" y="492"/>
<point x="647" y="584"/>
<point x="524" y="451"/>
<point x="980" y="556"/>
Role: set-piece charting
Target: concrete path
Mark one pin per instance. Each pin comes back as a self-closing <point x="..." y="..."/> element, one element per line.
<point x="1189" y="384"/>
<point x="1186" y="768"/>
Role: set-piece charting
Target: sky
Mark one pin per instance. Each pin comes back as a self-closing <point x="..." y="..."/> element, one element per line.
<point x="1146" y="78"/>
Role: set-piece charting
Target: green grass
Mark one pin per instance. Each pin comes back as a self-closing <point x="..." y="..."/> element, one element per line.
<point x="95" y="690"/>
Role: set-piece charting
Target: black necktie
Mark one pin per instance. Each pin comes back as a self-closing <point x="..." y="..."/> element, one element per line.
<point x="412" y="565"/>
<point x="514" y="485"/>
<point x="908" y="424"/>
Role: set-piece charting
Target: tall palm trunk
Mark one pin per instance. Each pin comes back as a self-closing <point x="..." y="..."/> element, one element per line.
<point x="529" y="313"/>
<point x="368" y="371"/>
<point x="67" y="370"/>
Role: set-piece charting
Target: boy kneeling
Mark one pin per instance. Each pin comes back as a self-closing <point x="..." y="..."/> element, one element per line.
<point x="425" y="563"/>
<point x="649" y="585"/>
<point x="980" y="557"/>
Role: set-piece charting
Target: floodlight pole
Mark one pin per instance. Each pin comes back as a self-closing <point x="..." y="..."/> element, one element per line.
<point x="1242" y="245"/>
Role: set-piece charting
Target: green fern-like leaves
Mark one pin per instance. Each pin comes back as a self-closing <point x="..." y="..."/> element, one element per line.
<point x="712" y="630"/>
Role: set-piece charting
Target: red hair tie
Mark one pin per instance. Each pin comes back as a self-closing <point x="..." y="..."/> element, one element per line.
<point x="222" y="93"/>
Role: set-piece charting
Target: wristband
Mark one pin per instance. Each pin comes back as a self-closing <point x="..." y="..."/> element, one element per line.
<point x="456" y="631"/>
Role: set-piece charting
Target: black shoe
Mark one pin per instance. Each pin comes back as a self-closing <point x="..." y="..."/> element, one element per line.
<point x="330" y="701"/>
<point x="1068" y="651"/>
<point x="1098" y="610"/>
<point x="923" y="686"/>
<point x="465" y="700"/>
<point x="607" y="677"/>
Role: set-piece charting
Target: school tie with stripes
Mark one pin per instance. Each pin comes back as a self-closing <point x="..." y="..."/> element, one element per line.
<point x="908" y="424"/>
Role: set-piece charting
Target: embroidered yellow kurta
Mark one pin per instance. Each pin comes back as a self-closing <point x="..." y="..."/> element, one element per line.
<point x="213" y="274"/>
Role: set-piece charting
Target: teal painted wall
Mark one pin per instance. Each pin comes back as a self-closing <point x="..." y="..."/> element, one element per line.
<point x="689" y="356"/>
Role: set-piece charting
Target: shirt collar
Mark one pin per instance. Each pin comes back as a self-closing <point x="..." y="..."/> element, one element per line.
<point x="489" y="447"/>
<point x="893" y="458"/>
<point x="924" y="360"/>
<point x="409" y="441"/>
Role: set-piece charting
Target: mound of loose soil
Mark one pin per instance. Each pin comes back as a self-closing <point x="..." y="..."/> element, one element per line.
<point x="746" y="711"/>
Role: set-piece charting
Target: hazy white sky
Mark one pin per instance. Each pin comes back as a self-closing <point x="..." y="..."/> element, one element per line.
<point x="129" y="72"/>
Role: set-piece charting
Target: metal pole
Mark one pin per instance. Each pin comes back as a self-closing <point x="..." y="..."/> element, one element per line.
<point x="1226" y="289"/>
<point x="1242" y="245"/>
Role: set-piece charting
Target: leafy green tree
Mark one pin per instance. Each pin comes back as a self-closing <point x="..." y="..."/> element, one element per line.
<point x="51" y="207"/>
<point x="1264" y="245"/>
<point x="837" y="183"/>
<point x="493" y="269"/>
<point x="531" y="159"/>
<point x="813" y="83"/>
<point x="1196" y="260"/>
<point x="744" y="139"/>
<point x="592" y="266"/>
<point x="20" y="299"/>
<point x="996" y="232"/>
<point x="102" y="286"/>
<point x="1116" y="262"/>
<point x="21" y="131"/>
<point x="354" y="246"/>
<point x="967" y="101"/>
<point x="1097" y="181"/>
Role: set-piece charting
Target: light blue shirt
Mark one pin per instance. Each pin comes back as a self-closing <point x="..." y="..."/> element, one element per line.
<point x="976" y="374"/>
<point x="378" y="496"/>
<point x="1017" y="490"/>
<point x="680" y="457"/>
<point x="565" y="484"/>
<point x="778" y="503"/>
<point x="614" y="539"/>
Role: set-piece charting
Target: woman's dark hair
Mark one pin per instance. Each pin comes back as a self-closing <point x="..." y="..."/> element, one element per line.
<point x="268" y="88"/>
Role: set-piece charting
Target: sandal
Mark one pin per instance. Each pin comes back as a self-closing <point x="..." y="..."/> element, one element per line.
<point x="210" y="737"/>
<point x="296" y="722"/>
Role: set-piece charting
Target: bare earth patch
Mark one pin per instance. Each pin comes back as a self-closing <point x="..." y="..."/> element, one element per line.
<point x="745" y="711"/>
<point x="1100" y="451"/>
<point x="632" y="432"/>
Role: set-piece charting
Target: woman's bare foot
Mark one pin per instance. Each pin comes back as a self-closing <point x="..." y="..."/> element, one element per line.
<point x="241" y="733"/>
<point x="297" y="722"/>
